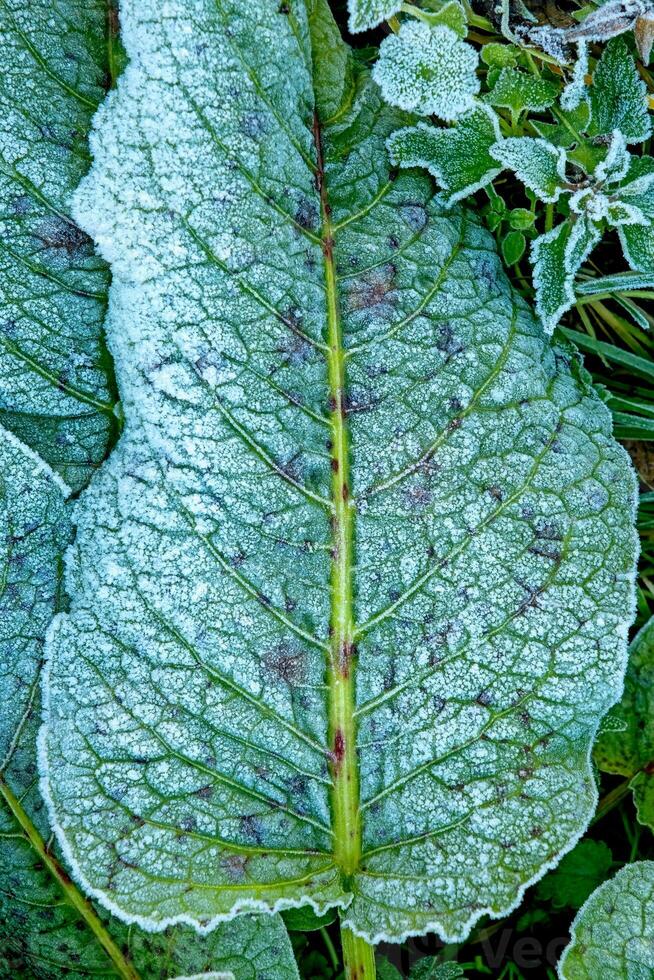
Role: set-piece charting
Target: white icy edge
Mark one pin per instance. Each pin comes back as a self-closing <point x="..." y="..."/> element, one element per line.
<point x="523" y="174"/>
<point x="40" y="465"/>
<point x="573" y="932"/>
<point x="211" y="975"/>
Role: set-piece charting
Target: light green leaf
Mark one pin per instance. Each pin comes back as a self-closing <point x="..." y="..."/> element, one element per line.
<point x="579" y="873"/>
<point x="619" y="95"/>
<point x="538" y="164"/>
<point x="458" y="157"/>
<point x="499" y="55"/>
<point x="556" y="257"/>
<point x="517" y="91"/>
<point x="366" y="14"/>
<point x="428" y="70"/>
<point x="613" y="934"/>
<point x="521" y="219"/>
<point x="513" y="247"/>
<point x="451" y="15"/>
<point x="567" y="131"/>
<point x="55" y="393"/>
<point x="630" y="752"/>
<point x="324" y="643"/>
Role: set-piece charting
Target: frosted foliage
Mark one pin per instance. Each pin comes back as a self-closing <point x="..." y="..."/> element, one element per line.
<point x="429" y="70"/>
<point x="458" y="157"/>
<point x="53" y="388"/>
<point x="613" y="933"/>
<point x="41" y="935"/>
<point x="536" y="162"/>
<point x="493" y="511"/>
<point x="365" y="14"/>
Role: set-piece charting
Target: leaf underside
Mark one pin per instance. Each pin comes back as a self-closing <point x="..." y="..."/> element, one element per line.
<point x="53" y="297"/>
<point x="284" y="584"/>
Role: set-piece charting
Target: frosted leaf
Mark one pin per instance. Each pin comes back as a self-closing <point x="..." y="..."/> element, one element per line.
<point x="629" y="750"/>
<point x="54" y="392"/>
<point x="428" y="70"/>
<point x="616" y="163"/>
<point x="622" y="213"/>
<point x="575" y="91"/>
<point x="556" y="256"/>
<point x="613" y="933"/>
<point x="41" y="933"/>
<point x="517" y="91"/>
<point x="227" y="660"/>
<point x="618" y="95"/>
<point x="537" y="163"/>
<point x="366" y="14"/>
<point x="457" y="157"/>
<point x="451" y="14"/>
<point x="637" y="192"/>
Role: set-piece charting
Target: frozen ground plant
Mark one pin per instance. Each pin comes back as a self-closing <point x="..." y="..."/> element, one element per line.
<point x="317" y="624"/>
<point x="544" y="128"/>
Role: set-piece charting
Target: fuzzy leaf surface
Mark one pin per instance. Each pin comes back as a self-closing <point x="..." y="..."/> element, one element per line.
<point x="613" y="933"/>
<point x="618" y="95"/>
<point x="466" y="627"/>
<point x="54" y="388"/>
<point x="630" y="752"/>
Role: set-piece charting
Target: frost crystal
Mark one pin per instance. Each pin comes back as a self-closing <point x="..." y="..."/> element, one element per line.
<point x="429" y="70"/>
<point x="365" y="14"/>
<point x="538" y="164"/>
<point x="613" y="933"/>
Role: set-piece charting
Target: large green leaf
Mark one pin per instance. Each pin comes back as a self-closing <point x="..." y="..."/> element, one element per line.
<point x="54" y="388"/>
<point x="613" y="933"/>
<point x="627" y="748"/>
<point x="47" y="928"/>
<point x="352" y="592"/>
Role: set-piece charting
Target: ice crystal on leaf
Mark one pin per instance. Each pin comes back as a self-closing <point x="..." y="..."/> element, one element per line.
<point x="459" y="158"/>
<point x="613" y="933"/>
<point x="627" y="747"/>
<point x="222" y="627"/>
<point x="539" y="165"/>
<point x="428" y="70"/>
<point x="365" y="14"/>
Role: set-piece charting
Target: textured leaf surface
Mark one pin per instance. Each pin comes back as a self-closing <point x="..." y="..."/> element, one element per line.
<point x="613" y="934"/>
<point x="428" y="70"/>
<point x="619" y="95"/>
<point x="630" y="751"/>
<point x="365" y="14"/>
<point x="359" y="503"/>
<point x="537" y="163"/>
<point x="54" y="391"/>
<point x="517" y="91"/>
<point x="457" y="157"/>
<point x="42" y="933"/>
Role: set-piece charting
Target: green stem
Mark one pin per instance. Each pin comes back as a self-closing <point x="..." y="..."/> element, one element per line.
<point x="342" y="734"/>
<point x="331" y="950"/>
<point x="72" y="895"/>
<point x="358" y="957"/>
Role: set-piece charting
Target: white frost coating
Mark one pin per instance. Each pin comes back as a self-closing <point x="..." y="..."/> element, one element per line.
<point x="556" y="256"/>
<point x="366" y="14"/>
<point x="536" y="162"/>
<point x="429" y="70"/>
<point x="575" y="91"/>
<point x="211" y="975"/>
<point x="457" y="157"/>
<point x="495" y="548"/>
<point x="613" y="932"/>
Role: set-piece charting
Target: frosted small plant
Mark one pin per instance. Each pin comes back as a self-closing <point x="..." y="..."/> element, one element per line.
<point x="427" y="69"/>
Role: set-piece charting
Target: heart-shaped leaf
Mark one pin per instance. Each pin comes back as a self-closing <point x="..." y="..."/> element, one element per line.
<point x="352" y="592"/>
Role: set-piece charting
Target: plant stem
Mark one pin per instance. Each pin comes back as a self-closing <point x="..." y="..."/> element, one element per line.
<point x="611" y="800"/>
<point x="358" y="957"/>
<point x="331" y="951"/>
